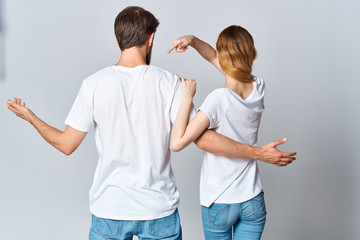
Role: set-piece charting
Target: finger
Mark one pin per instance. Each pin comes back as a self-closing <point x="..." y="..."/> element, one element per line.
<point x="19" y="101"/>
<point x="288" y="154"/>
<point x="23" y="104"/>
<point x="281" y="164"/>
<point x="181" y="48"/>
<point x="278" y="142"/>
<point x="11" y="108"/>
<point x="15" y="100"/>
<point x="10" y="103"/>
<point x="172" y="48"/>
<point x="288" y="159"/>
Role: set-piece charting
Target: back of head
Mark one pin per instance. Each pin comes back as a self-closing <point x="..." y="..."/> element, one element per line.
<point x="236" y="53"/>
<point x="133" y="26"/>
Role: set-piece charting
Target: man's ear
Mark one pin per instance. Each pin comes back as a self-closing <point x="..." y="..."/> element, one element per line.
<point x="150" y="39"/>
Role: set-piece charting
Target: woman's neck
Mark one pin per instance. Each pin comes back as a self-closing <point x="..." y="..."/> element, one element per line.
<point x="242" y="89"/>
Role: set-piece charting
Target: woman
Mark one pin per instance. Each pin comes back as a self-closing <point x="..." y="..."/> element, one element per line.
<point x="230" y="189"/>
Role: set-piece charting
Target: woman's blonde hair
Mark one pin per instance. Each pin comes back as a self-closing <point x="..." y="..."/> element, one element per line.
<point x="236" y="52"/>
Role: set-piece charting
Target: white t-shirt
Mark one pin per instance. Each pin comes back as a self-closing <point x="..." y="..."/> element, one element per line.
<point x="232" y="180"/>
<point x="132" y="110"/>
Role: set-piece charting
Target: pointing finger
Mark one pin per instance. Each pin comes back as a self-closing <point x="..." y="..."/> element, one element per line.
<point x="171" y="48"/>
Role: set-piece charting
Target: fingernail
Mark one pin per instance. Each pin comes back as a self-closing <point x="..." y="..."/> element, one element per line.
<point x="284" y="139"/>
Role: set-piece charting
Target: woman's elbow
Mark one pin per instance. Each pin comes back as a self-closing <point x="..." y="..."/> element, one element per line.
<point x="175" y="147"/>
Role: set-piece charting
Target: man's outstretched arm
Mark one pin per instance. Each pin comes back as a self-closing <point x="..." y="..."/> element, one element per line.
<point x="218" y="144"/>
<point x="66" y="141"/>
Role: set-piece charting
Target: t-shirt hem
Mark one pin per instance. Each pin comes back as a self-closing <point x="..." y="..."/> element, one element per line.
<point x="211" y="120"/>
<point x="77" y="127"/>
<point x="131" y="216"/>
<point x="241" y="200"/>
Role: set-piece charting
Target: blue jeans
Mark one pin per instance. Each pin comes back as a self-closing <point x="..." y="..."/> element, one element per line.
<point x="168" y="228"/>
<point x="244" y="221"/>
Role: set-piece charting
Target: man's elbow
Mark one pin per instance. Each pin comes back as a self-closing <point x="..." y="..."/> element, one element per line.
<point x="67" y="153"/>
<point x="67" y="150"/>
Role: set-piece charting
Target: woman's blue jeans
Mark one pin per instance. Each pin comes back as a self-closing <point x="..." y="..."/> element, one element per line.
<point x="168" y="228"/>
<point x="243" y="221"/>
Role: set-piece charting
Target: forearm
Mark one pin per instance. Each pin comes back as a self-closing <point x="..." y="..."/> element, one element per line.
<point x="52" y="135"/>
<point x="177" y="142"/>
<point x="65" y="141"/>
<point x="218" y="144"/>
<point x="203" y="48"/>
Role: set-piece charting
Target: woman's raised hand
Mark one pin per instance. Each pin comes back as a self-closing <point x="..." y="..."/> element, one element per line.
<point x="181" y="44"/>
<point x="188" y="87"/>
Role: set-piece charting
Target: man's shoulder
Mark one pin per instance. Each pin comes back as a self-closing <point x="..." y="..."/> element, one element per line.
<point x="108" y="71"/>
<point x="162" y="72"/>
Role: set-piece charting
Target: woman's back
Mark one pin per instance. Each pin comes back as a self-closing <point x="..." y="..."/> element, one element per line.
<point x="239" y="119"/>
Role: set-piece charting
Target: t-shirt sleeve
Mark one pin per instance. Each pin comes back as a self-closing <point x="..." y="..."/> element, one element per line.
<point x="213" y="109"/>
<point x="81" y="114"/>
<point x="176" y="102"/>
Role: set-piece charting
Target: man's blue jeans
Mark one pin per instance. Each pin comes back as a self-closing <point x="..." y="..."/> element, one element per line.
<point x="168" y="228"/>
<point x="244" y="221"/>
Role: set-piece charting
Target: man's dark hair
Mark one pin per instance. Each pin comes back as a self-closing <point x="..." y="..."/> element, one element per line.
<point x="133" y="26"/>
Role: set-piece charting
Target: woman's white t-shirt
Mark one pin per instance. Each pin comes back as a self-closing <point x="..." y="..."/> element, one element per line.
<point x="232" y="180"/>
<point x="132" y="110"/>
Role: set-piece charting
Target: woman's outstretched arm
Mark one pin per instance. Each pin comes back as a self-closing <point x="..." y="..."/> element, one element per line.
<point x="204" y="49"/>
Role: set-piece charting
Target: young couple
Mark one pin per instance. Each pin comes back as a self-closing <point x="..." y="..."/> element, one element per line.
<point x="138" y="111"/>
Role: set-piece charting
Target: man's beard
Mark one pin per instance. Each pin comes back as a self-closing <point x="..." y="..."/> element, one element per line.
<point x="148" y="56"/>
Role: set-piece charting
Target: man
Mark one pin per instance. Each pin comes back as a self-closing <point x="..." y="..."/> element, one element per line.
<point x="132" y="106"/>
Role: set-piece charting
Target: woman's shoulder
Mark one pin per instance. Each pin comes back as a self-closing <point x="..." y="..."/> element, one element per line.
<point x="259" y="81"/>
<point x="259" y="84"/>
<point x="215" y="97"/>
<point x="218" y="92"/>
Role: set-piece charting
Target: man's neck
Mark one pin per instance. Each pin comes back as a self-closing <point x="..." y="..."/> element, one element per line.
<point x="132" y="57"/>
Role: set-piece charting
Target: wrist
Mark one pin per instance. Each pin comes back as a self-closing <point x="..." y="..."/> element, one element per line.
<point x="193" y="40"/>
<point x="257" y="153"/>
<point x="187" y="98"/>
<point x="31" y="117"/>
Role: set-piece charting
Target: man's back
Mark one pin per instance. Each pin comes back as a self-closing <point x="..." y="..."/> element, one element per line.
<point x="132" y="110"/>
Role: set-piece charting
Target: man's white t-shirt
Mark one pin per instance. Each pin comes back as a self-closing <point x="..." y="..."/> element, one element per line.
<point x="132" y="111"/>
<point x="232" y="180"/>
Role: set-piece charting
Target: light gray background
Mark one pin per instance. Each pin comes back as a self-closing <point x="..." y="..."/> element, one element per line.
<point x="308" y="56"/>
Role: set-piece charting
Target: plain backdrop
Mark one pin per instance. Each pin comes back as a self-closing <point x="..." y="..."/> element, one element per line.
<point x="308" y="55"/>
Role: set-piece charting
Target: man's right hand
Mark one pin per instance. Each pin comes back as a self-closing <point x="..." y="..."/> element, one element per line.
<point x="218" y="144"/>
<point x="270" y="154"/>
